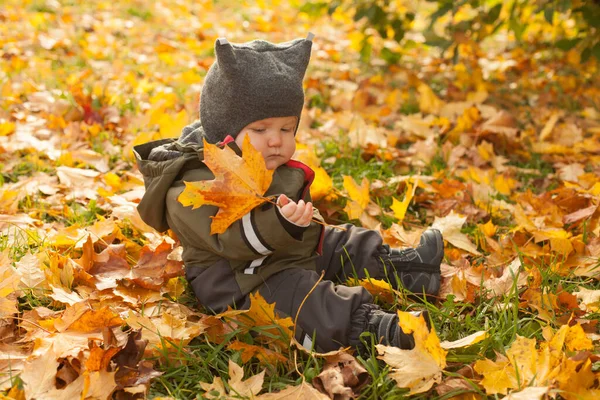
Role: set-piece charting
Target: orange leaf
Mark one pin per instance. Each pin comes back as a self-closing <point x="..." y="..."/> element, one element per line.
<point x="266" y="356"/>
<point x="262" y="314"/>
<point x="99" y="358"/>
<point x="238" y="186"/>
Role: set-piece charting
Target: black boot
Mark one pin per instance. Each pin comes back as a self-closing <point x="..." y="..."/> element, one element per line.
<point x="387" y="331"/>
<point x="418" y="269"/>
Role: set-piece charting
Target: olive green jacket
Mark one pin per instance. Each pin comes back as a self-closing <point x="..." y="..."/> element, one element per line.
<point x="253" y="248"/>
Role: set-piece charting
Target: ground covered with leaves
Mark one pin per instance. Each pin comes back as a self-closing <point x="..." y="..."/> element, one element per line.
<point x="496" y="143"/>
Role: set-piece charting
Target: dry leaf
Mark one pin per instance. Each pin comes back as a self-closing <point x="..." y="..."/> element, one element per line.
<point x="342" y="377"/>
<point x="466" y="341"/>
<point x="358" y="195"/>
<point x="39" y="375"/>
<point x="304" y="391"/>
<point x="266" y="356"/>
<point x="262" y="314"/>
<point x="420" y="368"/>
<point x="526" y="365"/>
<point x="249" y="387"/>
<point x="399" y="207"/>
<point x="450" y="227"/>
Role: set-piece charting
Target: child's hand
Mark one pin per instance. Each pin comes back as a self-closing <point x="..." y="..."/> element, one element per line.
<point x="298" y="213"/>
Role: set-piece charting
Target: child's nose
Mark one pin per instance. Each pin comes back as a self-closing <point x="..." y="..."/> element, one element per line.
<point x="275" y="139"/>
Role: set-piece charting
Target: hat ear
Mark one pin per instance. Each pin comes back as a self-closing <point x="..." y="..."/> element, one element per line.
<point x="297" y="57"/>
<point x="225" y="55"/>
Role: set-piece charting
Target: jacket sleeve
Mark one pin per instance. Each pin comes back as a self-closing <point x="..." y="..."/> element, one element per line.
<point x="256" y="235"/>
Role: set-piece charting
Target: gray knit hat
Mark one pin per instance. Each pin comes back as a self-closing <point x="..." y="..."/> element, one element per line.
<point x="252" y="81"/>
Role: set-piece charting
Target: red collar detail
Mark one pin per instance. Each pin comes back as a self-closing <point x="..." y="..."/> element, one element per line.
<point x="309" y="174"/>
<point x="228" y="140"/>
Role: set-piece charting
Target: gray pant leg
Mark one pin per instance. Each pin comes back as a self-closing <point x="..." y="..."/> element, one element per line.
<point x="335" y="315"/>
<point x="351" y="252"/>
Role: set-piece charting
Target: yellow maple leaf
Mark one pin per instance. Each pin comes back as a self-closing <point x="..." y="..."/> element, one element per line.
<point x="428" y="101"/>
<point x="377" y="288"/>
<point x="322" y="186"/>
<point x="417" y="369"/>
<point x="262" y="314"/>
<point x="525" y="365"/>
<point x="6" y="128"/>
<point x="399" y="207"/>
<point x="238" y="186"/>
<point x="359" y="197"/>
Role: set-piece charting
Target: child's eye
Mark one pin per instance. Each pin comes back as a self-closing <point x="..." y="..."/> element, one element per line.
<point x="258" y="129"/>
<point x="286" y="129"/>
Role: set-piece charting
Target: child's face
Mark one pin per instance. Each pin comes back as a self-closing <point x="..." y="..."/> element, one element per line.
<point x="273" y="137"/>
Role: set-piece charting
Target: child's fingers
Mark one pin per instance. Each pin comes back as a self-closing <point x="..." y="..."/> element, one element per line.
<point x="282" y="200"/>
<point x="307" y="215"/>
<point x="289" y="209"/>
<point x="298" y="212"/>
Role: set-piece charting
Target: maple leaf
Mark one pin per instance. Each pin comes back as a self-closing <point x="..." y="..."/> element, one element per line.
<point x="39" y="375"/>
<point x="266" y="356"/>
<point x="304" y="391"/>
<point x="377" y="288"/>
<point x="169" y="321"/>
<point x="417" y="369"/>
<point x="262" y="314"/>
<point x="238" y="387"/>
<point x="399" y="207"/>
<point x="450" y="227"/>
<point x="359" y="197"/>
<point x="238" y="187"/>
<point x="155" y="267"/>
<point x="524" y="364"/>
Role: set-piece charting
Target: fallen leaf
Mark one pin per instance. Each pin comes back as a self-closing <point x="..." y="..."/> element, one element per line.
<point x="304" y="391"/>
<point x="450" y="226"/>
<point x="358" y="195"/>
<point x="399" y="207"/>
<point x="262" y="314"/>
<point x="420" y="368"/>
<point x="39" y="375"/>
<point x="466" y="341"/>
<point x="263" y="354"/>
<point x="245" y="388"/>
<point x="529" y="393"/>
<point x="342" y="377"/>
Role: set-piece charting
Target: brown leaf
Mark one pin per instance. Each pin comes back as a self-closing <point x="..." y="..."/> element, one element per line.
<point x="155" y="268"/>
<point x="342" y="377"/>
<point x="458" y="385"/>
<point x="128" y="358"/>
<point x="68" y="371"/>
<point x="580" y="214"/>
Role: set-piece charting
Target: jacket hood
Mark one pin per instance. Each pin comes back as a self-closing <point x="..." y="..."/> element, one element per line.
<point x="161" y="163"/>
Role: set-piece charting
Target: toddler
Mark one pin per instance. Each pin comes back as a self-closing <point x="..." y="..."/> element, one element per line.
<point x="255" y="89"/>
